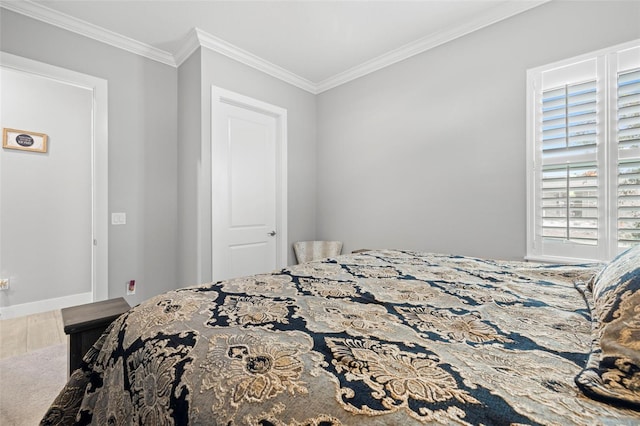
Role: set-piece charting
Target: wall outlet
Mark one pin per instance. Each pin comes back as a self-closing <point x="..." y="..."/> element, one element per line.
<point x="131" y="287"/>
<point x="118" y="218"/>
<point x="4" y="284"/>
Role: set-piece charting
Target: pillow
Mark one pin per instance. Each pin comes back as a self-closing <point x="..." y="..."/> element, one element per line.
<point x="612" y="373"/>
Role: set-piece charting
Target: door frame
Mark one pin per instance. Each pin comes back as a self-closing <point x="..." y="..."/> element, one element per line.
<point x="220" y="96"/>
<point x="99" y="166"/>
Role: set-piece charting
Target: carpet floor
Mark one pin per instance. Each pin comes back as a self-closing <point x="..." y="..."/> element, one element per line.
<point x="29" y="383"/>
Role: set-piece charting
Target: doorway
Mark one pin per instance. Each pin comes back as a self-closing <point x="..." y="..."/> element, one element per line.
<point x="53" y="202"/>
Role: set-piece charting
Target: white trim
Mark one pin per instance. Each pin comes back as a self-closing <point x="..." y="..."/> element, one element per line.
<point x="100" y="193"/>
<point x="39" y="306"/>
<point x="198" y="38"/>
<point x="617" y="48"/>
<point x="99" y="153"/>
<point x="220" y="95"/>
<point x="492" y="16"/>
<point x="190" y="44"/>
<point x="225" y="48"/>
<point x="78" y="26"/>
<point x="533" y="81"/>
<point x="562" y="260"/>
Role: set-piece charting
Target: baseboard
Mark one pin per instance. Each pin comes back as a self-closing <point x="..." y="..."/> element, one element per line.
<point x="39" y="306"/>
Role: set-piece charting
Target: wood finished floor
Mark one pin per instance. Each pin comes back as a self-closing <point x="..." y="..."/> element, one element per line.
<point x="25" y="334"/>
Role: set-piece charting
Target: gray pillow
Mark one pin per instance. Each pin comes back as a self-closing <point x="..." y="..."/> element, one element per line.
<point x="612" y="373"/>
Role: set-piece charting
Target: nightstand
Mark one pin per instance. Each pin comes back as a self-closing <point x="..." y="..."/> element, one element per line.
<point x="85" y="324"/>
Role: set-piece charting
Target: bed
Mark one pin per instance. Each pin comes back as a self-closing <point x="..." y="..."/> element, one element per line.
<point x="382" y="337"/>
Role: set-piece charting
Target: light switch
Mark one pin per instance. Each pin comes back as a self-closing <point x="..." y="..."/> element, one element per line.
<point x="118" y="218"/>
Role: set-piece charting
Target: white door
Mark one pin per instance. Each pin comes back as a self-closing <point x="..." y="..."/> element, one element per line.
<point x="245" y="231"/>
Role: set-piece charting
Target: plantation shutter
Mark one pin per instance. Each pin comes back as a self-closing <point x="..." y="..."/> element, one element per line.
<point x="628" y="147"/>
<point x="583" y="156"/>
<point x="570" y="186"/>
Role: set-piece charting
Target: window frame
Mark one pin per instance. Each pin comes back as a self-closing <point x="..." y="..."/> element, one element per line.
<point x="606" y="66"/>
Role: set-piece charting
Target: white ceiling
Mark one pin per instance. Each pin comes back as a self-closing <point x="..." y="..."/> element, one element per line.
<point x="316" y="41"/>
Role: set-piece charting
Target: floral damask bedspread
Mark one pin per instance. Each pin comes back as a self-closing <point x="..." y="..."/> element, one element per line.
<point x="381" y="337"/>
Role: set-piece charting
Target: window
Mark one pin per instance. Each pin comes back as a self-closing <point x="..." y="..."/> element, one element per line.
<point x="583" y="156"/>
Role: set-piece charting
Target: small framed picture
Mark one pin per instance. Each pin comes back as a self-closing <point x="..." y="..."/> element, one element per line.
<point x="24" y="140"/>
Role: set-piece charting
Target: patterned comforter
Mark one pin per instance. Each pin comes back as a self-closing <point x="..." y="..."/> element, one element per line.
<point x="380" y="337"/>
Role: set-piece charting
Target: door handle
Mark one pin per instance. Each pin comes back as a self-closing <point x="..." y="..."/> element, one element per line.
<point x="272" y="233"/>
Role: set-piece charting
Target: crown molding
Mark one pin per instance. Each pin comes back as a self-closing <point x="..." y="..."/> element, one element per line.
<point x="190" y="44"/>
<point x="198" y="38"/>
<point x="497" y="14"/>
<point x="234" y="52"/>
<point x="78" y="26"/>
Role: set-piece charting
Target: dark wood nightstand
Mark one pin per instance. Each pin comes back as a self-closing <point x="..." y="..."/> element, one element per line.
<point x="85" y="324"/>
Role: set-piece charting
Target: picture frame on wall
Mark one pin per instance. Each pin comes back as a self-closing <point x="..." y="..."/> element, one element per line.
<point x="24" y="140"/>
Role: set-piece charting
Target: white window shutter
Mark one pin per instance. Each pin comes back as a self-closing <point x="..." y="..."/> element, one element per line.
<point x="569" y="188"/>
<point x="628" y="148"/>
<point x="583" y="156"/>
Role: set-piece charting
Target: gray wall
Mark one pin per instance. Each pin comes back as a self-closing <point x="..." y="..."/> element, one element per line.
<point x="189" y="137"/>
<point x="195" y="223"/>
<point x="429" y="154"/>
<point x="142" y="147"/>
